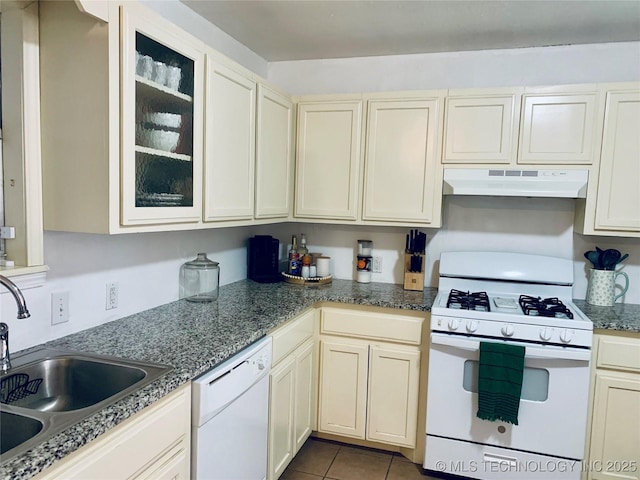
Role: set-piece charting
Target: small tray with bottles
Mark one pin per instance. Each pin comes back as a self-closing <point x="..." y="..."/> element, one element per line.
<point x="306" y="281"/>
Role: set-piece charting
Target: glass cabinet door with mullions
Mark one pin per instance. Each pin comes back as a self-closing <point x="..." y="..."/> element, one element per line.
<point x="162" y="112"/>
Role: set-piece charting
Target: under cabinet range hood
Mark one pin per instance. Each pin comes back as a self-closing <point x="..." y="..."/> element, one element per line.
<point x="516" y="182"/>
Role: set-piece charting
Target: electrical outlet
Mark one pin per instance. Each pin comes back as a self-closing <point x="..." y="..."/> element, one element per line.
<point x="7" y="232"/>
<point x="112" y="296"/>
<point x="376" y="265"/>
<point x="59" y="307"/>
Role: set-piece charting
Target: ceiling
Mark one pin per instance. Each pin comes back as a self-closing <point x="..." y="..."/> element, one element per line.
<point x="311" y="29"/>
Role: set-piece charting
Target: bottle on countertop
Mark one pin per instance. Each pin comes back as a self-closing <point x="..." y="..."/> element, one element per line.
<point x="303" y="250"/>
<point x="294" y="257"/>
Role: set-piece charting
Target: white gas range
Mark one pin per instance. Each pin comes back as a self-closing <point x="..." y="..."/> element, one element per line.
<point x="515" y="299"/>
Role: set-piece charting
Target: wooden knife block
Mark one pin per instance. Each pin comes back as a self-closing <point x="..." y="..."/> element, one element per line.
<point x="413" y="280"/>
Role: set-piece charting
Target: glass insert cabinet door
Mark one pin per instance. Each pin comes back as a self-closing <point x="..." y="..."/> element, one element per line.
<point x="162" y="102"/>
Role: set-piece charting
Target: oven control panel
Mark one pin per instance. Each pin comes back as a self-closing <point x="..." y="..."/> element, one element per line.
<point x="559" y="335"/>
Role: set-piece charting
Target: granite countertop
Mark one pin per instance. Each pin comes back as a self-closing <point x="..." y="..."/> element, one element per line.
<point x="193" y="338"/>
<point x="621" y="317"/>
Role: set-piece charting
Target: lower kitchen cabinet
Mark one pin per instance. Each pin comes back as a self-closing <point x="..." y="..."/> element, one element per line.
<point x="394" y="376"/>
<point x="615" y="428"/>
<point x="153" y="444"/>
<point x="343" y="387"/>
<point x="292" y="387"/>
<point x="369" y="389"/>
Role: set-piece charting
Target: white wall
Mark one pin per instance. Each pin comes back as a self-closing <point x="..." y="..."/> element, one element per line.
<point x="613" y="62"/>
<point x="145" y="267"/>
<point x="531" y="225"/>
<point x="196" y="25"/>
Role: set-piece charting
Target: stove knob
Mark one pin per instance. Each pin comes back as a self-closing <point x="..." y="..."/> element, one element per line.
<point x="507" y="330"/>
<point x="545" y="333"/>
<point x="472" y="326"/>
<point x="566" y="335"/>
<point x="454" y="323"/>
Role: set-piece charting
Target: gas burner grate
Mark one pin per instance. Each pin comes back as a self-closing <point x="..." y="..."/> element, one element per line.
<point x="468" y="301"/>
<point x="548" y="307"/>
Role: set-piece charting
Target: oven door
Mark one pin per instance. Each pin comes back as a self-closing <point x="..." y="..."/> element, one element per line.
<point x="553" y="406"/>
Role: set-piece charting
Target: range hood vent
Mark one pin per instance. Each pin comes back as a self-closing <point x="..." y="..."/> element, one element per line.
<point x="516" y="182"/>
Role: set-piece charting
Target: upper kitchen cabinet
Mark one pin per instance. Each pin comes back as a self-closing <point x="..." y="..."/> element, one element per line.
<point x="481" y="126"/>
<point x="403" y="177"/>
<point x="274" y="159"/>
<point x="399" y="178"/>
<point x="559" y="125"/>
<point x="328" y="159"/>
<point x="162" y="118"/>
<point x="556" y="126"/>
<point x="612" y="206"/>
<point x="122" y="121"/>
<point x="230" y="144"/>
<point x="127" y="144"/>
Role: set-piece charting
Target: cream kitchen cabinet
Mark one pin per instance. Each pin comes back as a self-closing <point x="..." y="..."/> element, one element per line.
<point x="555" y="126"/>
<point x="154" y="443"/>
<point x="293" y="387"/>
<point x="615" y="427"/>
<point x="560" y="125"/>
<point x="274" y="154"/>
<point x="397" y="181"/>
<point x="229" y="144"/>
<point x="161" y="121"/>
<point x="109" y="169"/>
<point x="612" y="206"/>
<point x="403" y="177"/>
<point x="481" y="126"/>
<point x="369" y="375"/>
<point x="328" y="159"/>
<point x="124" y="133"/>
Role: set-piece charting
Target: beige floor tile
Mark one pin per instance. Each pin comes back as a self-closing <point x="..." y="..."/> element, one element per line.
<point x="293" y="475"/>
<point x="398" y="457"/>
<point x="366" y="451"/>
<point x="315" y="457"/>
<point x="350" y="465"/>
<point x="401" y="470"/>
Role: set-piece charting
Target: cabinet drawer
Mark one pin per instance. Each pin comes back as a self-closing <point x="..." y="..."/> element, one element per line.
<point x="292" y="334"/>
<point x="619" y="353"/>
<point x="372" y="325"/>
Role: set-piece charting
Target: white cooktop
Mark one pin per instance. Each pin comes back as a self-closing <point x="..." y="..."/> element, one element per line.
<point x="504" y="277"/>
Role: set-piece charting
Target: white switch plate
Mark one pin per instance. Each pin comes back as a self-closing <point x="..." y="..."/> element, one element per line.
<point x="112" y="296"/>
<point x="59" y="307"/>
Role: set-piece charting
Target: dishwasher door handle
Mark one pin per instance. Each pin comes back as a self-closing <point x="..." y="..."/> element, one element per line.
<point x="227" y="373"/>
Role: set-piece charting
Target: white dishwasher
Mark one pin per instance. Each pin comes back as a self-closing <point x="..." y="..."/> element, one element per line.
<point x="230" y="415"/>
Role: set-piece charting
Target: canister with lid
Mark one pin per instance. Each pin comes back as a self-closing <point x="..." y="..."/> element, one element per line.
<point x="199" y="279"/>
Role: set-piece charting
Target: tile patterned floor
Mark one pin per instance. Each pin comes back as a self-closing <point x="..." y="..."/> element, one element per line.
<point x="323" y="459"/>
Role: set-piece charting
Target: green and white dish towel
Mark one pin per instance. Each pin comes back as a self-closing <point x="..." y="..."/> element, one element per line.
<point x="500" y="381"/>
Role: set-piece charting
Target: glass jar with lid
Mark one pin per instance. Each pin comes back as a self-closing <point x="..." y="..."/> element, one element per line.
<point x="199" y="279"/>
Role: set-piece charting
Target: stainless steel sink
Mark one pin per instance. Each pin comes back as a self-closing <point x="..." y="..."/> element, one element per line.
<point x="69" y="383"/>
<point x="47" y="390"/>
<point x="16" y="429"/>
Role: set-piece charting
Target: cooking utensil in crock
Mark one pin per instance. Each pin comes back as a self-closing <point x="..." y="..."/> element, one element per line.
<point x="594" y="258"/>
<point x="610" y="258"/>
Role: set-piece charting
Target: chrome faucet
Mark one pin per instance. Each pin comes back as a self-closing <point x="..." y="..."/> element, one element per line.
<point x="5" y="360"/>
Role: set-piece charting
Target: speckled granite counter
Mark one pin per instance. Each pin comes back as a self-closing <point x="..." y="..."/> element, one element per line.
<point x="620" y="317"/>
<point x="193" y="338"/>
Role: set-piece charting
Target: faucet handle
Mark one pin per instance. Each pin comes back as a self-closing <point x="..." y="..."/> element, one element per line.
<point x="5" y="360"/>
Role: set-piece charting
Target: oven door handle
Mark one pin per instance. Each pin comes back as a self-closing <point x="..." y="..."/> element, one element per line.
<point x="532" y="351"/>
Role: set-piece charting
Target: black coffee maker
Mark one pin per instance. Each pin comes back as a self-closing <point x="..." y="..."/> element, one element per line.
<point x="263" y="259"/>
